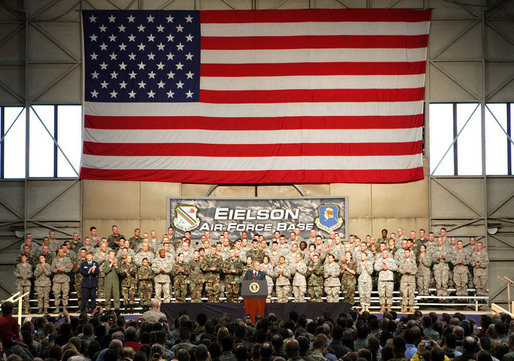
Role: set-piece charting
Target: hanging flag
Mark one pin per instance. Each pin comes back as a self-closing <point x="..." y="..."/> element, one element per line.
<point x="267" y="96"/>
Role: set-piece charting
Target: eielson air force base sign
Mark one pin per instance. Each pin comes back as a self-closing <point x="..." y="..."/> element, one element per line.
<point x="258" y="215"/>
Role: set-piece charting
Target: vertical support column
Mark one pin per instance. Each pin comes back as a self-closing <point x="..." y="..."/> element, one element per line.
<point x="482" y="121"/>
<point x="27" y="121"/>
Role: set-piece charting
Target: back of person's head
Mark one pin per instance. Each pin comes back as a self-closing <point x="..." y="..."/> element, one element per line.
<point x="131" y="334"/>
<point x="426" y="321"/>
<point x="215" y="350"/>
<point x="227" y="343"/>
<point x="55" y="352"/>
<point x="277" y="341"/>
<point x="182" y="354"/>
<point x="201" y="353"/>
<point x="110" y="355"/>
<point x="69" y="353"/>
<point x="266" y="350"/>
<point x="118" y="335"/>
<point x="304" y="344"/>
<point x="337" y="333"/>
<point x="319" y="343"/>
<point x="292" y="348"/>
<point x="459" y="332"/>
<point x="387" y="353"/>
<point x="437" y="354"/>
<point x="127" y="353"/>
<point x="256" y="351"/>
<point x="373" y="344"/>
<point x="293" y="316"/>
<point x="201" y="318"/>
<point x="7" y="308"/>
<point x="365" y="354"/>
<point x="499" y="349"/>
<point x="484" y="356"/>
<point x="450" y="341"/>
<point x="347" y="339"/>
<point x="139" y="356"/>
<point x="156" y="351"/>
<point x="240" y="352"/>
<point x="410" y="336"/>
<point x="116" y="346"/>
<point x="362" y="330"/>
<point x="14" y="357"/>
<point x="469" y="344"/>
<point x="184" y="334"/>
<point x="398" y="346"/>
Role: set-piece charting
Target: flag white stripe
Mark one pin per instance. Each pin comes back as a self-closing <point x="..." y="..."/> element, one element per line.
<point x="253" y="137"/>
<point x="270" y="56"/>
<point x="316" y="28"/>
<point x="254" y="110"/>
<point x="313" y="82"/>
<point x="252" y="163"/>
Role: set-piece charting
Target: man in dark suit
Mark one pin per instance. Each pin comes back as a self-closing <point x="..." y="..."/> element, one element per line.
<point x="256" y="274"/>
<point x="89" y="269"/>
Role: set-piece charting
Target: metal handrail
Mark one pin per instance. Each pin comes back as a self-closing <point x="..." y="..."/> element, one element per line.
<point x="18" y="298"/>
<point x="508" y="282"/>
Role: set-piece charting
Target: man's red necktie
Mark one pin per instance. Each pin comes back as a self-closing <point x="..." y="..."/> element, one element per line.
<point x="254" y="275"/>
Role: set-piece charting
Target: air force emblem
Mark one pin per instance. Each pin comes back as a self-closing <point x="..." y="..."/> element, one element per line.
<point x="328" y="219"/>
<point x="186" y="218"/>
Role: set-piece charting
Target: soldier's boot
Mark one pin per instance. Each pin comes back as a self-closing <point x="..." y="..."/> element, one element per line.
<point x="388" y="308"/>
<point x="39" y="310"/>
<point x="404" y="309"/>
<point x="57" y="306"/>
<point x="382" y="308"/>
<point x="45" y="310"/>
<point x="411" y="309"/>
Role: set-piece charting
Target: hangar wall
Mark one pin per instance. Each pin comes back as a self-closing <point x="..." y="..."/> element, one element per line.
<point x="470" y="59"/>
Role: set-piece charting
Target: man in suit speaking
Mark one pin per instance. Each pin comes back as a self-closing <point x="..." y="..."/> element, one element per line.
<point x="256" y="274"/>
<point x="89" y="269"/>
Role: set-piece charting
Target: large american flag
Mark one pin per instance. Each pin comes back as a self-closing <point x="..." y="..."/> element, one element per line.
<point x="269" y="96"/>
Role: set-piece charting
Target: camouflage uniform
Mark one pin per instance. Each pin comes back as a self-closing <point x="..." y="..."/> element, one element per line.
<point x="274" y="256"/>
<point x="145" y="286"/>
<point x="348" y="282"/>
<point x="480" y="272"/>
<point x="282" y="282"/>
<point x="268" y="269"/>
<point x="424" y="273"/>
<point x="23" y="273"/>
<point x="180" y="281"/>
<point x="385" y="280"/>
<point x="298" y="270"/>
<point x="61" y="280"/>
<point x="212" y="278"/>
<point x="408" y="281"/>
<point x="43" y="284"/>
<point x="315" y="281"/>
<point x="78" y="277"/>
<point x="460" y="263"/>
<point x="233" y="280"/>
<point x="100" y="258"/>
<point x="128" y="283"/>
<point x="365" y="282"/>
<point x="196" y="278"/>
<point x="256" y="254"/>
<point x="332" y="282"/>
<point x="112" y="238"/>
<point x="162" y="281"/>
<point x="138" y="259"/>
<point x="441" y="268"/>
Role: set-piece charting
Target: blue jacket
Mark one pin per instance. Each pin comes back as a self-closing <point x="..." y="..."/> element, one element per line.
<point x="89" y="278"/>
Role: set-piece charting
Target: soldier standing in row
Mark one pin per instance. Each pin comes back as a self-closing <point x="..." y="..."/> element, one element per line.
<point x="480" y="260"/>
<point x="441" y="255"/>
<point x="180" y="271"/>
<point x="61" y="266"/>
<point x="282" y="283"/>
<point x="332" y="282"/>
<point x="76" y="270"/>
<point x="348" y="271"/>
<point x="299" y="282"/>
<point x="267" y="268"/>
<point x="127" y="271"/>
<point x="424" y="271"/>
<point x="43" y="284"/>
<point x="233" y="269"/>
<point x="408" y="269"/>
<point x="211" y="266"/>
<point x="196" y="278"/>
<point x="315" y="279"/>
<point x="460" y="262"/>
<point x="385" y="266"/>
<point x="112" y="283"/>
<point x="144" y="283"/>
<point x="365" y="270"/>
<point x="23" y="273"/>
<point x="162" y="268"/>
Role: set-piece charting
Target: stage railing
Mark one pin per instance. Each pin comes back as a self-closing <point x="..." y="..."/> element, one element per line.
<point x="17" y="298"/>
<point x="509" y="283"/>
<point x="498" y="309"/>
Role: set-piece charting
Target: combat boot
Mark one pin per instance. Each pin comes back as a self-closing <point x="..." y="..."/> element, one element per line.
<point x="382" y="308"/>
<point x="388" y="308"/>
<point x="40" y="310"/>
<point x="411" y="309"/>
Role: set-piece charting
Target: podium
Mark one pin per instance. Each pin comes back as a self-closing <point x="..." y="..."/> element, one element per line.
<point x="254" y="295"/>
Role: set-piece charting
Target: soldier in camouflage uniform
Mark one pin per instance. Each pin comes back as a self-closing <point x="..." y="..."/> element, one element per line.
<point x="76" y="271"/>
<point x="424" y="270"/>
<point x="127" y="271"/>
<point x="348" y="271"/>
<point x="43" y="284"/>
<point x="460" y="263"/>
<point x="385" y="266"/>
<point x="162" y="268"/>
<point x="30" y="256"/>
<point x="196" y="278"/>
<point x="441" y="255"/>
<point x="100" y="257"/>
<point x="23" y="273"/>
<point x="180" y="271"/>
<point x="144" y="283"/>
<point x="114" y="239"/>
<point x="314" y="275"/>
<point x="144" y="252"/>
<point x="233" y="269"/>
<point x="480" y="260"/>
<point x="61" y="266"/>
<point x="365" y="282"/>
<point x="298" y="270"/>
<point x="274" y="254"/>
<point x="256" y="252"/>
<point x="282" y="274"/>
<point x="211" y="266"/>
<point x="267" y="268"/>
<point x="408" y="269"/>
<point x="332" y="282"/>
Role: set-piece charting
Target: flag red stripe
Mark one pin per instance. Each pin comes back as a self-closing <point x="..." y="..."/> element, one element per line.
<point x="314" y="15"/>
<point x="251" y="177"/>
<point x="315" y="42"/>
<point x="262" y="123"/>
<point x="340" y="68"/>
<point x="252" y="150"/>
<point x="310" y="95"/>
